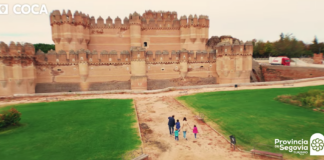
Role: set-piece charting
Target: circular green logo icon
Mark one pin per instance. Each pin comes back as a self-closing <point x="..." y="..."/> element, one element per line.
<point x="317" y="144"/>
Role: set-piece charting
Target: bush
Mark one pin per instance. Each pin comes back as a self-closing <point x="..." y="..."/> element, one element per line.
<point x="312" y="98"/>
<point x="9" y="117"/>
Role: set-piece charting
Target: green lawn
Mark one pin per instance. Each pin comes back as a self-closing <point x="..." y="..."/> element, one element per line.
<point x="253" y="116"/>
<point x="94" y="129"/>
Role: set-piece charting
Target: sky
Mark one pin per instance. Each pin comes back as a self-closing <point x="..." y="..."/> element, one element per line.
<point x="242" y="19"/>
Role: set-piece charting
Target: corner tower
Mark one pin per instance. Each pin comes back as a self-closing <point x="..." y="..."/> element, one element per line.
<point x="233" y="60"/>
<point x="70" y="32"/>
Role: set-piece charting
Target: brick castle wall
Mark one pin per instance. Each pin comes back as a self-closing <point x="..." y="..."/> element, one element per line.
<point x="318" y="58"/>
<point x="279" y="73"/>
<point x="77" y="87"/>
<point x="188" y="81"/>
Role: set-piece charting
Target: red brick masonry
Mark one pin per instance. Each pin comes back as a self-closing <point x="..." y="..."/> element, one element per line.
<point x="278" y="73"/>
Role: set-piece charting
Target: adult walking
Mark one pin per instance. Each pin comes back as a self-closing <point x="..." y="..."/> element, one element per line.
<point x="185" y="127"/>
<point x="171" y="124"/>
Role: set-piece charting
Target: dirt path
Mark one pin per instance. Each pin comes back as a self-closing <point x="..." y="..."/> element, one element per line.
<point x="158" y="144"/>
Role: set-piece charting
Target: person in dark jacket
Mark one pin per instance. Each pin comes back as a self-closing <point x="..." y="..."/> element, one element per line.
<point x="171" y="124"/>
<point x="178" y="125"/>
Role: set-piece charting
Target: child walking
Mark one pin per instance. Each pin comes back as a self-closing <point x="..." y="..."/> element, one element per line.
<point x="195" y="131"/>
<point x="176" y="134"/>
<point x="178" y="125"/>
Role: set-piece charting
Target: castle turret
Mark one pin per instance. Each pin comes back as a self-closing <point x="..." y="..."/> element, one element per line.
<point x="193" y="35"/>
<point x="17" y="71"/>
<point x="138" y="69"/>
<point x="174" y="15"/>
<point x="159" y="15"/>
<point x="100" y="22"/>
<point x="92" y="21"/>
<point x="68" y="32"/>
<point x="117" y="22"/>
<point x="234" y="61"/>
<point x="126" y="22"/>
<point x="165" y="15"/>
<point x="183" y="59"/>
<point x="135" y="29"/>
<point x="55" y="23"/>
<point x="109" y="22"/>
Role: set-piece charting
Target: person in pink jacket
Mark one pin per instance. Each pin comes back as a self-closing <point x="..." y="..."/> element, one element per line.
<point x="195" y="131"/>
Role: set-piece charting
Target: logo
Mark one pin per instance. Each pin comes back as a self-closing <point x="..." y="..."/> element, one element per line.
<point x="317" y="145"/>
<point x="26" y="9"/>
<point x="3" y="9"/>
<point x="294" y="146"/>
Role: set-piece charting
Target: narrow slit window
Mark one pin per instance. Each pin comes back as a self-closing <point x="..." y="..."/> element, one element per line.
<point x="145" y="44"/>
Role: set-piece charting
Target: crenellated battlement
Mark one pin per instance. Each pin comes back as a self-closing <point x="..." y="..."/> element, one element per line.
<point x="194" y="21"/>
<point x="78" y="18"/>
<point x="121" y="57"/>
<point x="16" y="49"/>
<point x="238" y="48"/>
<point x="151" y="29"/>
<point x="149" y="20"/>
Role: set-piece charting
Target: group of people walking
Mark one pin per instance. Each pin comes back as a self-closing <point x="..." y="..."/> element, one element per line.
<point x="184" y="127"/>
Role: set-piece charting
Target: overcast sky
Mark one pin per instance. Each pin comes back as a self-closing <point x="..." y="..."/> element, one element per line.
<point x="243" y="19"/>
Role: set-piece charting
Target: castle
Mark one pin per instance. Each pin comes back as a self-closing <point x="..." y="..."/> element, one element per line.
<point x="152" y="51"/>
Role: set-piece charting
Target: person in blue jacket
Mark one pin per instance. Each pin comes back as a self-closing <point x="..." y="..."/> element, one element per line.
<point x="171" y="124"/>
<point x="178" y="125"/>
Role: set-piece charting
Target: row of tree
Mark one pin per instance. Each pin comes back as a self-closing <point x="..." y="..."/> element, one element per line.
<point x="288" y="46"/>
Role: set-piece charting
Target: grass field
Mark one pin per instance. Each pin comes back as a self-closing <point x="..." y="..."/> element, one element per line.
<point x="253" y="116"/>
<point x="94" y="129"/>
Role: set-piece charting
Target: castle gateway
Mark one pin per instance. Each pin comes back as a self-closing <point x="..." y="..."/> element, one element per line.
<point x="152" y="51"/>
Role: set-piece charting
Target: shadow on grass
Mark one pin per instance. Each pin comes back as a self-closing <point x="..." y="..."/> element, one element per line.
<point x="12" y="128"/>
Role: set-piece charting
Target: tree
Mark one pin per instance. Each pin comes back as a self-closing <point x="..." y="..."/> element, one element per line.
<point x="288" y="46"/>
<point x="316" y="47"/>
<point x="282" y="36"/>
<point x="44" y="47"/>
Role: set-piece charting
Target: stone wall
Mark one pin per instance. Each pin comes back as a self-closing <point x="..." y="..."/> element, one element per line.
<point x="279" y="73"/>
<point x="188" y="81"/>
<point x="256" y="73"/>
<point x="57" y="87"/>
<point x="122" y="85"/>
<point x="318" y="58"/>
<point x="77" y="87"/>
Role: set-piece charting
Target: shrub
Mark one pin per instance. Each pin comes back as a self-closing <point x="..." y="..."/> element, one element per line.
<point x="9" y="117"/>
<point x="312" y="98"/>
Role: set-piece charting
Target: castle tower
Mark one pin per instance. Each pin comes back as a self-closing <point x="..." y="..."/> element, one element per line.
<point x="194" y="32"/>
<point x="70" y="32"/>
<point x="135" y="29"/>
<point x="233" y="61"/>
<point x="17" y="71"/>
<point x="138" y="69"/>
